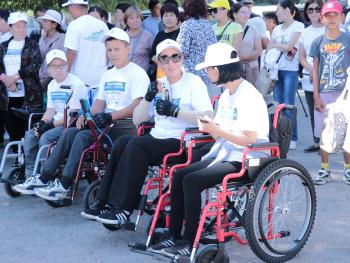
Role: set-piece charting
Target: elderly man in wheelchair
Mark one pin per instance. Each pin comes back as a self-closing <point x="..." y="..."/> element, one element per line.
<point x="241" y="164"/>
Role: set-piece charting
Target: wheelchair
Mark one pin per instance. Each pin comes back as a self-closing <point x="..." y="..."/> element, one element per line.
<point x="275" y="204"/>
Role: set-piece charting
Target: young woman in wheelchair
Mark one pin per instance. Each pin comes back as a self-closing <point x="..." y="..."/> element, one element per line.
<point x="241" y="119"/>
<point x="184" y="97"/>
<point x="121" y="90"/>
<point x="62" y="88"/>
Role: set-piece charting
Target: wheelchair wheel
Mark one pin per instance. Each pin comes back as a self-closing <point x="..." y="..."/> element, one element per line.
<point x="16" y="176"/>
<point x="207" y="253"/>
<point x="280" y="211"/>
<point x="90" y="194"/>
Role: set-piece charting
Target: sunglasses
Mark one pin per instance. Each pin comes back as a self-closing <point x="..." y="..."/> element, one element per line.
<point x="57" y="67"/>
<point x="311" y="10"/>
<point x="175" y="58"/>
<point x="214" y="10"/>
<point x="248" y="3"/>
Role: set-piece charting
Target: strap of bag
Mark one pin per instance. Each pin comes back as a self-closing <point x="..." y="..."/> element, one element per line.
<point x="245" y="31"/>
<point x="223" y="31"/>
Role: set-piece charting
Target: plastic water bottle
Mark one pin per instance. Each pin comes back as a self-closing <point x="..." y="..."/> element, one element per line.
<point x="165" y="94"/>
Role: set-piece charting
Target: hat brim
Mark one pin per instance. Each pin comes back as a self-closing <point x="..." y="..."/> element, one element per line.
<point x="206" y="64"/>
<point x="175" y="47"/>
<point x="331" y="10"/>
<point x="49" y="18"/>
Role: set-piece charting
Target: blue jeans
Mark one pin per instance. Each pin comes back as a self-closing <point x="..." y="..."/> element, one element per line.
<point x="285" y="91"/>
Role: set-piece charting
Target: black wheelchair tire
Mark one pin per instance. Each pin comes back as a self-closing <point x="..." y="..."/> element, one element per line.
<point x="17" y="176"/>
<point x="207" y="253"/>
<point x="56" y="204"/>
<point x="90" y="193"/>
<point x="266" y="179"/>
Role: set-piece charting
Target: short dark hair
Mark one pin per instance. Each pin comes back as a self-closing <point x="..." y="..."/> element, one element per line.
<point x="4" y="14"/>
<point x="40" y="8"/>
<point x="112" y="38"/>
<point x="271" y="15"/>
<point x="174" y="2"/>
<point x="229" y="72"/>
<point x="195" y="9"/>
<point x="152" y="4"/>
<point x="103" y="13"/>
<point x="170" y="8"/>
<point x="122" y="6"/>
<point x="307" y="4"/>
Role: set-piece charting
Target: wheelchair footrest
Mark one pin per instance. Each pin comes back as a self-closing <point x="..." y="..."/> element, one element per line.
<point x="130" y="226"/>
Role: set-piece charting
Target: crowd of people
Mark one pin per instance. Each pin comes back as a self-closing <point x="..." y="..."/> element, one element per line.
<point x="204" y="50"/>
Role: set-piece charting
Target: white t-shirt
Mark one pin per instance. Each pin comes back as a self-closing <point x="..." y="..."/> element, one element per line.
<point x="189" y="93"/>
<point x="259" y="24"/>
<point x="5" y="37"/>
<point x="12" y="61"/>
<point x="84" y="35"/>
<point x="57" y="95"/>
<point x="283" y="36"/>
<point x="119" y="87"/>
<point x="244" y="110"/>
<point x="308" y="35"/>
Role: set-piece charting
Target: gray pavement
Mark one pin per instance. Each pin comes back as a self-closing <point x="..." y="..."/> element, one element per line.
<point x="31" y="231"/>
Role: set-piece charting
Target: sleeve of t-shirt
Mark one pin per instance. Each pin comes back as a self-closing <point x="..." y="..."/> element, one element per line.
<point x="200" y="97"/>
<point x="139" y="85"/>
<point x="302" y="38"/>
<point x="298" y="27"/>
<point x="49" y="99"/>
<point x="314" y="50"/>
<point x="72" y="38"/>
<point x="101" y="90"/>
<point x="260" y="26"/>
<point x="154" y="45"/>
<point x="79" y="92"/>
<point x="184" y="38"/>
<point x="275" y="32"/>
<point x="218" y="114"/>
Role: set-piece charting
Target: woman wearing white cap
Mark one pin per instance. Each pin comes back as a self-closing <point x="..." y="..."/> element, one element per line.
<point x="53" y="38"/>
<point x="241" y="119"/>
<point x="20" y="61"/>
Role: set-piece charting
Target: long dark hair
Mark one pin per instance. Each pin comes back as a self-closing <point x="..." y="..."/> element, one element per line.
<point x="195" y="9"/>
<point x="307" y="4"/>
<point x="293" y="9"/>
<point x="4" y="14"/>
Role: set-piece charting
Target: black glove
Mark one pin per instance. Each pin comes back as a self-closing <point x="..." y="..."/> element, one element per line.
<point x="43" y="127"/>
<point x="39" y="124"/>
<point x="166" y="107"/>
<point x="151" y="91"/>
<point x="103" y="119"/>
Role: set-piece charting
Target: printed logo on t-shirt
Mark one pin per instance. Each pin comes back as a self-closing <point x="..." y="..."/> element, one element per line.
<point x="229" y="113"/>
<point x="333" y="74"/>
<point x="59" y="99"/>
<point x="95" y="36"/>
<point x="114" y="90"/>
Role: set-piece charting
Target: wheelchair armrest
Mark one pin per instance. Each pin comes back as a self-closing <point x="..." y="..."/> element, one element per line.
<point x="266" y="145"/>
<point x="144" y="127"/>
<point x="147" y="123"/>
<point x="192" y="129"/>
<point x="24" y="113"/>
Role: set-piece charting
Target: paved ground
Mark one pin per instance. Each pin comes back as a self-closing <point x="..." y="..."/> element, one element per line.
<point x="30" y="231"/>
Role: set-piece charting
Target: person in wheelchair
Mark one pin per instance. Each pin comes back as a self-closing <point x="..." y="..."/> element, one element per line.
<point x="241" y="119"/>
<point x="120" y="91"/>
<point x="174" y="102"/>
<point x="62" y="88"/>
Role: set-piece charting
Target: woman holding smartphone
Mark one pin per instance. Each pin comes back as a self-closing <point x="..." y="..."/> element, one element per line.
<point x="241" y="119"/>
<point x="285" y="38"/>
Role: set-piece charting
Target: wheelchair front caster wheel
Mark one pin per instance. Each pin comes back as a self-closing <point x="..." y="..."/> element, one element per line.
<point x="209" y="253"/>
<point x="16" y="176"/>
<point x="59" y="203"/>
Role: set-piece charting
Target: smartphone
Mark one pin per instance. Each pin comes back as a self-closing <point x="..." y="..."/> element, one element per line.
<point x="202" y="120"/>
<point x="291" y="54"/>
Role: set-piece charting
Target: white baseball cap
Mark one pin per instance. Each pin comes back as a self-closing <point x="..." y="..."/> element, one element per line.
<point x="117" y="33"/>
<point x="55" y="53"/>
<point x="52" y="15"/>
<point x="76" y="2"/>
<point x="218" y="54"/>
<point x="16" y="17"/>
<point x="167" y="43"/>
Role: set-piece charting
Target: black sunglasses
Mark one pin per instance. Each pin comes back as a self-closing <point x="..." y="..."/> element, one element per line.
<point x="175" y="58"/>
<point x="214" y="10"/>
<point x="310" y="10"/>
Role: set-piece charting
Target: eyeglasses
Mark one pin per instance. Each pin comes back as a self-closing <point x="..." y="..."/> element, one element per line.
<point x="175" y="58"/>
<point x="56" y="67"/>
<point x="248" y="3"/>
<point x="214" y="10"/>
<point x="310" y="10"/>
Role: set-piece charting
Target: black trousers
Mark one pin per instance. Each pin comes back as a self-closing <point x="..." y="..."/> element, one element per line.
<point x="128" y="166"/>
<point x="309" y="97"/>
<point x="185" y="196"/>
<point x="14" y="125"/>
<point x="2" y="127"/>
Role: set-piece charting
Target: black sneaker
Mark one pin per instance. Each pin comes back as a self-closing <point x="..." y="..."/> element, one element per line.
<point x="160" y="246"/>
<point x="112" y="216"/>
<point x="180" y="248"/>
<point x="93" y="211"/>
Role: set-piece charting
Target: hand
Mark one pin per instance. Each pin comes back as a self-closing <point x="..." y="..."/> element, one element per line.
<point x="318" y="104"/>
<point x="103" y="119"/>
<point x="151" y="91"/>
<point x="9" y="80"/>
<point x="167" y="108"/>
<point x="13" y="87"/>
<point x="41" y="127"/>
<point x="208" y="127"/>
<point x="80" y="122"/>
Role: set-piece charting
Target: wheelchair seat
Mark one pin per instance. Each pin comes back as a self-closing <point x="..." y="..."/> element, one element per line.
<point x="23" y="113"/>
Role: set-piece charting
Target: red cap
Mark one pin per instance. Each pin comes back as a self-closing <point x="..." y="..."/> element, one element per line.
<point x="331" y="6"/>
